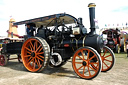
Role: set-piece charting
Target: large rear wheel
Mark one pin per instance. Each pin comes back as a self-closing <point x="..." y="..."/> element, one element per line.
<point x="35" y="53"/>
<point x="82" y="62"/>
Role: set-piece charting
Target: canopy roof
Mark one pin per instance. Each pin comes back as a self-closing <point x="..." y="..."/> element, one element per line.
<point x="110" y="30"/>
<point x="68" y="19"/>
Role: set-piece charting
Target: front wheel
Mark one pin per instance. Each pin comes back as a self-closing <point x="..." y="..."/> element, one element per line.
<point x="82" y="62"/>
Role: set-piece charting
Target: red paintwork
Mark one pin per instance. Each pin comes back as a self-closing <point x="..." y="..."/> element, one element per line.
<point x="15" y="34"/>
<point x="66" y="45"/>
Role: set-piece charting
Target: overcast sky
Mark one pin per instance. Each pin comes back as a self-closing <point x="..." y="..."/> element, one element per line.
<point x="107" y="11"/>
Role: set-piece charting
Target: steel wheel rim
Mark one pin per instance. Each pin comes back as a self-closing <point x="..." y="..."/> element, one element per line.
<point x="2" y="60"/>
<point x="32" y="55"/>
<point x="88" y="72"/>
<point x="107" y="59"/>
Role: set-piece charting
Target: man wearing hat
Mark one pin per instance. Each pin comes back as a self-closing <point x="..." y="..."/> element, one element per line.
<point x="30" y="30"/>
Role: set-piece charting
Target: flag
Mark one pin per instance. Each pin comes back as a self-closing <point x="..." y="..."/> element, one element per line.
<point x="96" y="21"/>
<point x="10" y="16"/>
<point x="117" y="24"/>
<point x="105" y="25"/>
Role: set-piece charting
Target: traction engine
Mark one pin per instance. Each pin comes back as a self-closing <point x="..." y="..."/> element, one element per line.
<point x="57" y="40"/>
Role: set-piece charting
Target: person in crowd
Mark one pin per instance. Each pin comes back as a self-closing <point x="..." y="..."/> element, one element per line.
<point x="127" y="48"/>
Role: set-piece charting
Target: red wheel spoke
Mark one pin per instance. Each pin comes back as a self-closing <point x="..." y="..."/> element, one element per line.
<point x="78" y="62"/>
<point x="36" y="62"/>
<point x="94" y="65"/>
<point x="92" y="57"/>
<point x="88" y="54"/>
<point x="40" y="53"/>
<point x="97" y="65"/>
<point x="31" y="44"/>
<point x="102" y="67"/>
<point x="40" y="59"/>
<point x="79" y="68"/>
<point x="84" y="70"/>
<point x="41" y="56"/>
<point x="30" y="61"/>
<point x="107" y="56"/>
<point x="28" y="52"/>
<point x="106" y="64"/>
<point x="80" y="57"/>
<point x="27" y="55"/>
<point x="108" y="60"/>
<point x="89" y="71"/>
<point x="28" y="49"/>
<point x="105" y="52"/>
<point x="35" y="45"/>
<point x="82" y="54"/>
<point x="38" y="48"/>
<point x="92" y="68"/>
<point x="39" y="62"/>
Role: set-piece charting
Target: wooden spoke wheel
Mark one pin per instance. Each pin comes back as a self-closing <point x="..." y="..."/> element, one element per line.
<point x="34" y="54"/>
<point x="108" y="59"/>
<point x="82" y="62"/>
<point x="3" y="60"/>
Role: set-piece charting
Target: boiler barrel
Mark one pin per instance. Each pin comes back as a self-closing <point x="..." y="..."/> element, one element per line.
<point x="94" y="41"/>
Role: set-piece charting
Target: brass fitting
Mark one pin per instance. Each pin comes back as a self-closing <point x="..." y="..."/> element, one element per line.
<point x="92" y="5"/>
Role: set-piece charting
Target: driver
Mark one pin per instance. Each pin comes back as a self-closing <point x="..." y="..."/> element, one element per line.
<point x="29" y="30"/>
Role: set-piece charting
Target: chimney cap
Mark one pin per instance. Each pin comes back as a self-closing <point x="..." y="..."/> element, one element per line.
<point x="92" y="5"/>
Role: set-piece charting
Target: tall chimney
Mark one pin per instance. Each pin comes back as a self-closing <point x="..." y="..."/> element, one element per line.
<point x="92" y="17"/>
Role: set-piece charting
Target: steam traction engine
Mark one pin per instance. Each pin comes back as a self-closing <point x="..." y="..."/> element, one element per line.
<point x="56" y="41"/>
<point x="114" y="40"/>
